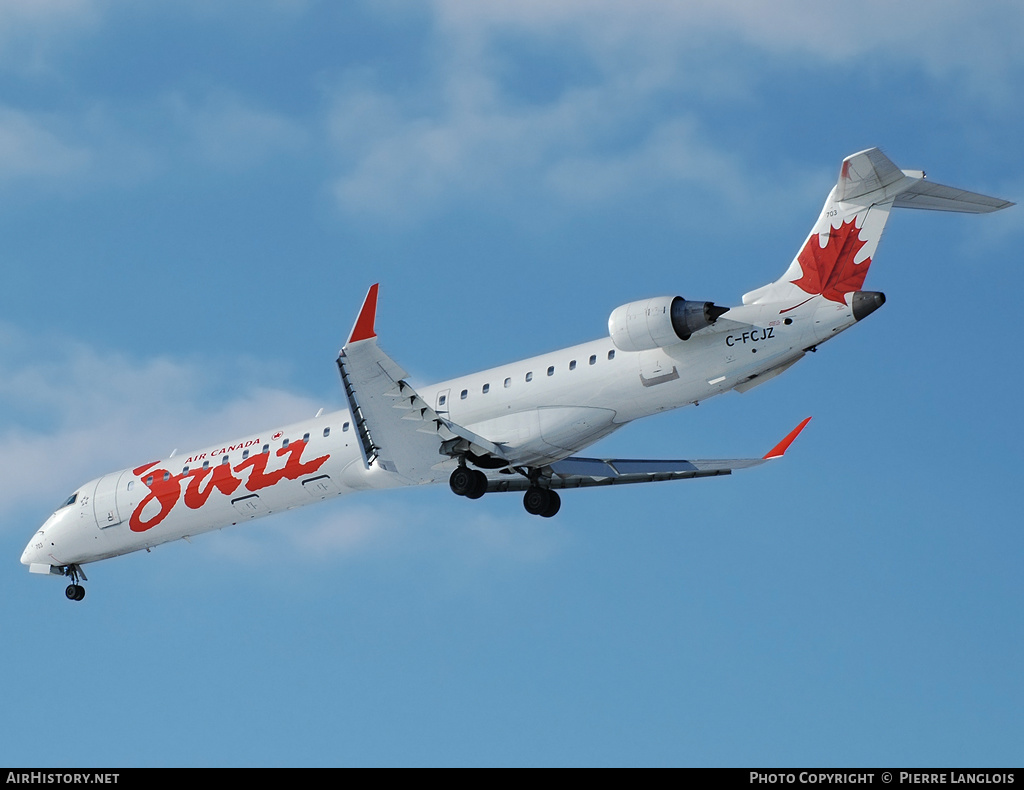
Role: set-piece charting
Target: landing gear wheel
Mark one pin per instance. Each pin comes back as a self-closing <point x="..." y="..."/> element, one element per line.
<point x="470" y="483"/>
<point x="554" y="504"/>
<point x="461" y="481"/>
<point x="541" y="502"/>
<point x="75" y="592"/>
<point x="479" y="485"/>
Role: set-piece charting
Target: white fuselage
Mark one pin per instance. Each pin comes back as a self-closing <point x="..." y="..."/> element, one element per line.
<point x="540" y="410"/>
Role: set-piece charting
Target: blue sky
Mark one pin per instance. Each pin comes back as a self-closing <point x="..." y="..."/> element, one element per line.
<point x="194" y="198"/>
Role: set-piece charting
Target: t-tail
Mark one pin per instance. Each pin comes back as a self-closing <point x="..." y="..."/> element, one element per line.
<point x="835" y="258"/>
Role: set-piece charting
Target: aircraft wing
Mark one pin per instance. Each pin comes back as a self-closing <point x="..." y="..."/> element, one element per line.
<point x="397" y="429"/>
<point x="576" y="472"/>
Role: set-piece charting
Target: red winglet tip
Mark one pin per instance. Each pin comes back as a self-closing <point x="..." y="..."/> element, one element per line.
<point x="363" y="330"/>
<point x="779" y="450"/>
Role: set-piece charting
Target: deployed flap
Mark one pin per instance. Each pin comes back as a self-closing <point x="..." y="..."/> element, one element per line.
<point x="583" y="472"/>
<point x="398" y="430"/>
<point x="629" y="468"/>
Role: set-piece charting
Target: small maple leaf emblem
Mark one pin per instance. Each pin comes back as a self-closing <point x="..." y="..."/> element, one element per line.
<point x="830" y="270"/>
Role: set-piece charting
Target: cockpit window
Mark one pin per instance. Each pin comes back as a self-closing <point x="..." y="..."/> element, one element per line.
<point x="71" y="500"/>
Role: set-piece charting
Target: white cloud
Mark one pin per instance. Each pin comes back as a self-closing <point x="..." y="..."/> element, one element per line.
<point x="33" y="31"/>
<point x="84" y="149"/>
<point x="405" y="156"/>
<point x="464" y="132"/>
<point x="472" y="144"/>
<point x="467" y="533"/>
<point x="942" y="34"/>
<point x="672" y="151"/>
<point x="462" y="127"/>
<point x="225" y="131"/>
<point x="31" y="150"/>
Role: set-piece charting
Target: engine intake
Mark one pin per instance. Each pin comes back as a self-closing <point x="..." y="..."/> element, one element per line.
<point x="659" y="322"/>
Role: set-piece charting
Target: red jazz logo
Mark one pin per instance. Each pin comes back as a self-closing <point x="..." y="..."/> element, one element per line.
<point x="165" y="488"/>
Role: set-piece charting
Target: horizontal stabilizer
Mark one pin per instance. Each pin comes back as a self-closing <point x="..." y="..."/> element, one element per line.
<point x="936" y="197"/>
<point x="870" y="177"/>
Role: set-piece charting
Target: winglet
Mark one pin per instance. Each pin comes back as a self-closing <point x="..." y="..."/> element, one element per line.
<point x="779" y="450"/>
<point x="363" y="329"/>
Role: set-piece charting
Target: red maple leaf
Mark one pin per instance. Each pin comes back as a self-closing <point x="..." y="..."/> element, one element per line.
<point x="830" y="270"/>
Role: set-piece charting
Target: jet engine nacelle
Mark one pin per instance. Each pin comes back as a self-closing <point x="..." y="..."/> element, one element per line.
<point x="659" y="322"/>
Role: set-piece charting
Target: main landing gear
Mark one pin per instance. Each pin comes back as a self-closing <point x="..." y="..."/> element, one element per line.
<point x="541" y="501"/>
<point x="472" y="484"/>
<point x="74" y="591"/>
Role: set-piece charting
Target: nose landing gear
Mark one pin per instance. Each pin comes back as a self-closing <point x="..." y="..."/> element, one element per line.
<point x="75" y="591"/>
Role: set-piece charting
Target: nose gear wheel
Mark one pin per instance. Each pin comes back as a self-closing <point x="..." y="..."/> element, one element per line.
<point x="74" y="591"/>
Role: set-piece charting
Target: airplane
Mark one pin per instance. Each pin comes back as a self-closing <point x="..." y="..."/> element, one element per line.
<point x="515" y="427"/>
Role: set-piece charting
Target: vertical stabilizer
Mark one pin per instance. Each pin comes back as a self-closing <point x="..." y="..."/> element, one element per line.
<point x="835" y="258"/>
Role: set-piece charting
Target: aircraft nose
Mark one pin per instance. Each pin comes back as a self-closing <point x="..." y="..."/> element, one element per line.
<point x="41" y="548"/>
<point x="35" y="551"/>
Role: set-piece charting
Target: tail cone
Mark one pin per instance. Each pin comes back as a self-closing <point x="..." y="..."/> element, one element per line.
<point x="866" y="302"/>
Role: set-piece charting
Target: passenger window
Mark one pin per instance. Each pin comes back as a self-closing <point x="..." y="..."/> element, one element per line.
<point x="344" y="427"/>
<point x="464" y="394"/>
<point x="206" y="464"/>
<point x="245" y="454"/>
<point x="441" y="401"/>
<point x="529" y="376"/>
<point x="305" y="437"/>
<point x="266" y="449"/>
<point x="224" y="460"/>
<point x="572" y="365"/>
<point x="327" y="431"/>
<point x="284" y="444"/>
<point x="551" y="370"/>
<point x="184" y="471"/>
<point x="167" y="476"/>
<point x="593" y="359"/>
<point x="611" y="354"/>
<point x="487" y="388"/>
<point x="508" y="383"/>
